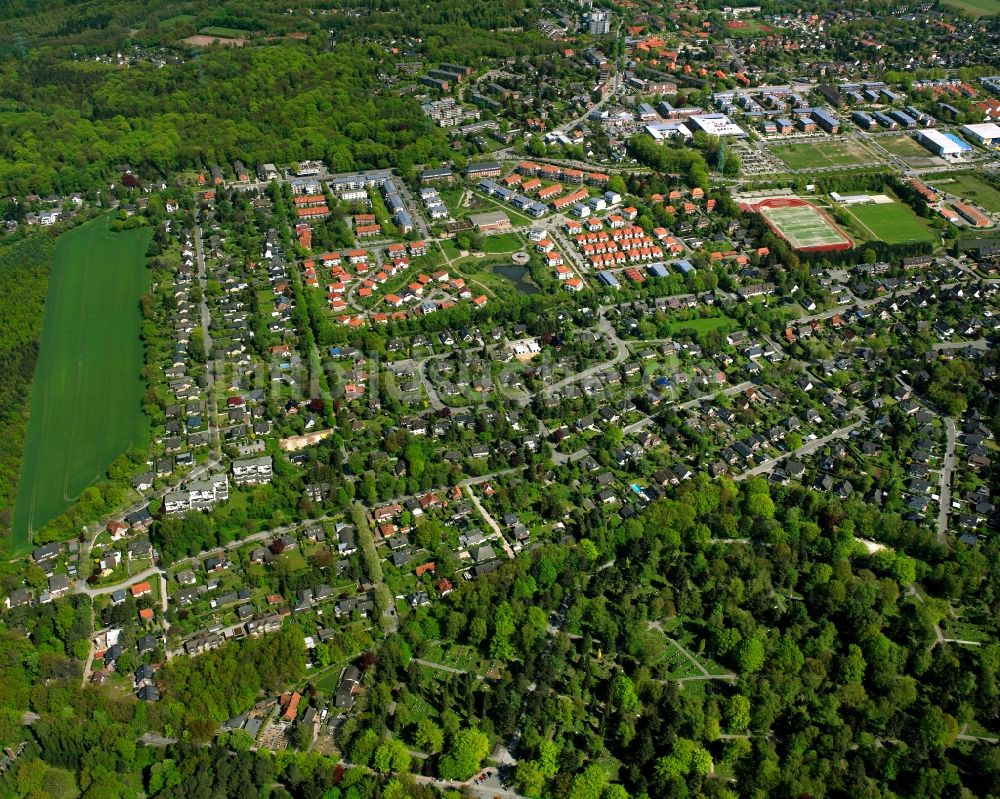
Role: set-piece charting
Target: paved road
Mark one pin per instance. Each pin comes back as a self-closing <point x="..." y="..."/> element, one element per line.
<point x="432" y="394"/>
<point x="559" y="458"/>
<point x="948" y="466"/>
<point x="977" y="344"/>
<point x="206" y="320"/>
<point x="145" y="574"/>
<point x="622" y="353"/>
<point x="806" y="449"/>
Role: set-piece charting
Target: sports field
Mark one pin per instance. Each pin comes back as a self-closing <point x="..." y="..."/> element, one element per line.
<point x="803" y="225"/>
<point x="892" y="222"/>
<point x="821" y="153"/>
<point x="86" y="394"/>
<point x="223" y="33"/>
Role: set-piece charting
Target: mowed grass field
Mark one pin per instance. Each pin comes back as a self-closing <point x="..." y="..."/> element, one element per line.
<point x="223" y="33"/>
<point x="979" y="8"/>
<point x="820" y="153"/>
<point x="893" y="223"/>
<point x="972" y="187"/>
<point x="704" y="325"/>
<point x="87" y="390"/>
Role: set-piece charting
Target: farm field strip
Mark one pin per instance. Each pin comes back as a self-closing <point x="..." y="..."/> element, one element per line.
<point x="87" y="390"/>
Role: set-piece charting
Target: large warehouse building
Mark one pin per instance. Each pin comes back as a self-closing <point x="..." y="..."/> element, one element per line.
<point x="987" y="133"/>
<point x="718" y="125"/>
<point x="945" y="145"/>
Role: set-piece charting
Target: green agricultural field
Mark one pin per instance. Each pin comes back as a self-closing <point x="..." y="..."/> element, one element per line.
<point x="224" y="33"/>
<point x="893" y="223"/>
<point x="813" y="154"/>
<point x="978" y="8"/>
<point x="87" y="390"/>
<point x="972" y="187"/>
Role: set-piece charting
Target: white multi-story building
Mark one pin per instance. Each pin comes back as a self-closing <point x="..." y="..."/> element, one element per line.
<point x="199" y="495"/>
<point x="598" y="22"/>
<point x="252" y="471"/>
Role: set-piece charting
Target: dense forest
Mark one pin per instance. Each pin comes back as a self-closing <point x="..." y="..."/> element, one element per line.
<point x="840" y="689"/>
<point x="68" y="124"/>
<point x="24" y="270"/>
<point x="831" y="680"/>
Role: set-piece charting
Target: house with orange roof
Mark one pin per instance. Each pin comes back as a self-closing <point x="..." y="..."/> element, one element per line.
<point x="573" y="284"/>
<point x="972" y="215"/>
<point x="551" y="191"/>
<point x="304" y="234"/>
<point x="307" y="200"/>
<point x="417" y="248"/>
<point x="289" y="704"/>
<point x="318" y="212"/>
<point x="480" y="301"/>
<point x="141" y="589"/>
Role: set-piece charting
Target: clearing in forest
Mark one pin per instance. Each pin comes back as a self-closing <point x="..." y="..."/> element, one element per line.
<point x="87" y="390"/>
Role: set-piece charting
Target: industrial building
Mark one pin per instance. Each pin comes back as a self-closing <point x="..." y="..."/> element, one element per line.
<point x="718" y="125"/>
<point x="945" y="145"/>
<point x="986" y="134"/>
